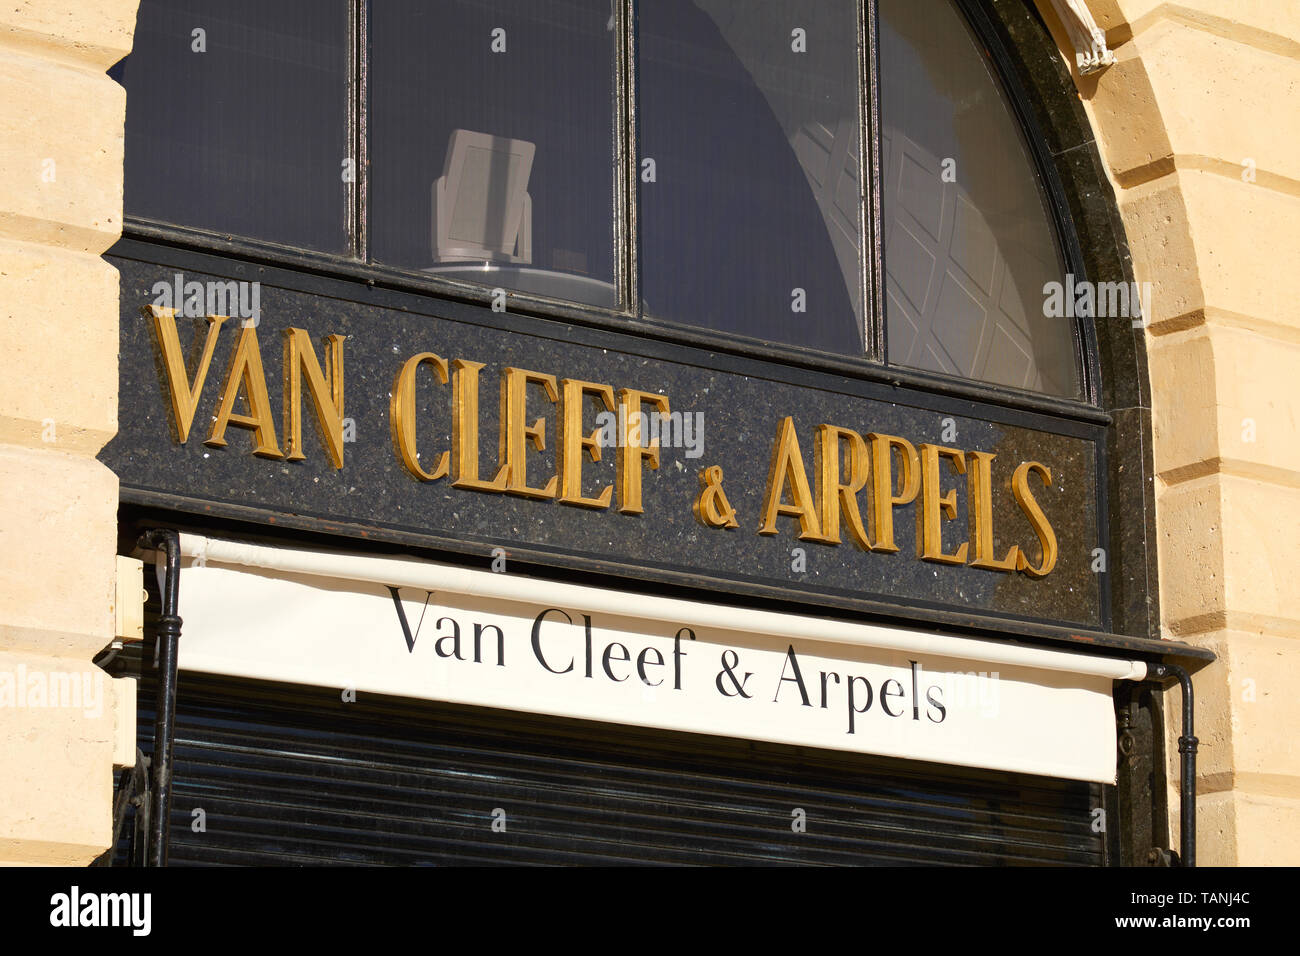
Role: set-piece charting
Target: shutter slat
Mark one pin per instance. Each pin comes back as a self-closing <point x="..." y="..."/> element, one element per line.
<point x="290" y="775"/>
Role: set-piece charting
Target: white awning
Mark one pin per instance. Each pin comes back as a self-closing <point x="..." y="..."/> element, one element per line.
<point x="509" y="641"/>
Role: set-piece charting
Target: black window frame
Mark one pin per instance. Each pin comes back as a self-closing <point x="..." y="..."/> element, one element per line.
<point x="872" y="364"/>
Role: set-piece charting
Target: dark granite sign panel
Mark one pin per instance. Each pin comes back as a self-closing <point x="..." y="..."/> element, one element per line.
<point x="521" y="438"/>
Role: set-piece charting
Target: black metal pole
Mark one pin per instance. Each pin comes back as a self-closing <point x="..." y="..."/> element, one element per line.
<point x="169" y="633"/>
<point x="1187" y="744"/>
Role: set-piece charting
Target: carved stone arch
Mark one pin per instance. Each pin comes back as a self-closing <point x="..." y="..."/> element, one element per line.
<point x="1195" y="128"/>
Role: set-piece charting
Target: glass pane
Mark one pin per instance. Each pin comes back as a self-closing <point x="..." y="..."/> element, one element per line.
<point x="750" y="187"/>
<point x="492" y="143"/>
<point x="236" y="118"/>
<point x="969" y="241"/>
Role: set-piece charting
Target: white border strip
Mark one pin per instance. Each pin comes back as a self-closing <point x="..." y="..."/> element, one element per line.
<point x="428" y="575"/>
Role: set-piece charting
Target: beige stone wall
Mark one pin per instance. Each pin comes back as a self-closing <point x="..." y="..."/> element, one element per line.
<point x="61" y="122"/>
<point x="1200" y="130"/>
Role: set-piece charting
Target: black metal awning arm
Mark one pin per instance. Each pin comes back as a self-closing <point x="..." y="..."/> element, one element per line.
<point x="1161" y="674"/>
<point x="167" y="543"/>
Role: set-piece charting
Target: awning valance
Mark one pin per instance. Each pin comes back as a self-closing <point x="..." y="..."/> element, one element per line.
<point x="412" y="628"/>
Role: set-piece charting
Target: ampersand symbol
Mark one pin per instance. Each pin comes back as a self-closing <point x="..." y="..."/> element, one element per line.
<point x="737" y="683"/>
<point x="712" y="508"/>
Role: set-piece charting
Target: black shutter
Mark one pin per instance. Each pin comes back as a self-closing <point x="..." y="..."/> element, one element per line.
<point x="287" y="774"/>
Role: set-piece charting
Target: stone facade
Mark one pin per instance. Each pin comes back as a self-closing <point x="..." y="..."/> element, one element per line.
<point x="1198" y="127"/>
<point x="60" y="207"/>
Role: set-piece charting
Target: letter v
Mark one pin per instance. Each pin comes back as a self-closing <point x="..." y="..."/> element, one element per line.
<point x="185" y="398"/>
<point x="401" y="617"/>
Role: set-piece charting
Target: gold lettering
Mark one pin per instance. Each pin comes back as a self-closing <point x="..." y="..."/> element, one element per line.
<point x="184" y="396"/>
<point x="835" y="498"/>
<point x="573" y="442"/>
<point x="931" y="504"/>
<point x="402" y="416"/>
<point x="246" y="373"/>
<point x="300" y="357"/>
<point x="1028" y="504"/>
<point x="464" y="431"/>
<point x="632" y="453"/>
<point x="786" y="466"/>
<point x="980" y="486"/>
<point x="711" y="508"/>
<point x="883" y="498"/>
<point x="514" y="387"/>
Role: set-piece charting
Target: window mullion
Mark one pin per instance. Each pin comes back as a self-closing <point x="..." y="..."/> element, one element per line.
<point x="873" y="244"/>
<point x="358" y="128"/>
<point x="626" y="182"/>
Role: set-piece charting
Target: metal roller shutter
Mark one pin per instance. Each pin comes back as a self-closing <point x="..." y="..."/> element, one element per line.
<point x="287" y="774"/>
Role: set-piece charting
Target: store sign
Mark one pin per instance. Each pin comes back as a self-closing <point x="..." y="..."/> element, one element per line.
<point x="646" y="668"/>
<point x="595" y="450"/>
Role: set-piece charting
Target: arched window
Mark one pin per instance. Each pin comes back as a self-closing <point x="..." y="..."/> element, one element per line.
<point x="970" y="243"/>
<point x="691" y="163"/>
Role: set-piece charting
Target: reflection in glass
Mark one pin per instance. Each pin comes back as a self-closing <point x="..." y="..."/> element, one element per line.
<point x="969" y="243"/>
<point x="750" y="186"/>
<point x="236" y="118"/>
<point x="492" y="143"/>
